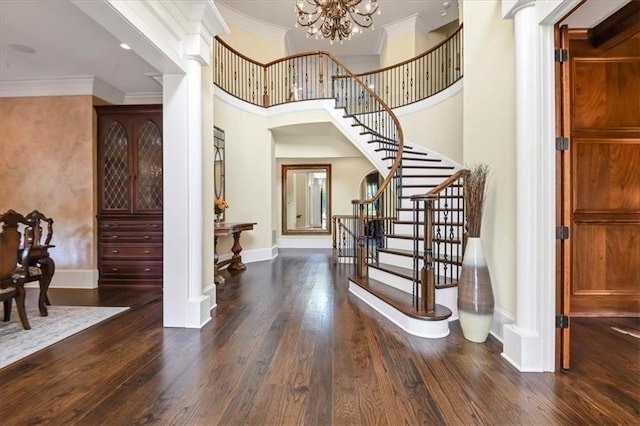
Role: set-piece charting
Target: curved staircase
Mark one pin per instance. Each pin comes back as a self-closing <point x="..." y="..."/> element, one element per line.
<point x="406" y="241"/>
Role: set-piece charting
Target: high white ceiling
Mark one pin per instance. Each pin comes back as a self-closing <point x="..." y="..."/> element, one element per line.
<point x="281" y="14"/>
<point x="53" y="40"/>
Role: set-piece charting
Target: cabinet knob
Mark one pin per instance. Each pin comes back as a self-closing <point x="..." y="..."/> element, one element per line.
<point x="147" y="269"/>
<point x="115" y="237"/>
<point x="147" y="251"/>
<point x="115" y="251"/>
<point x="114" y="269"/>
<point x="146" y="237"/>
<point x="155" y="225"/>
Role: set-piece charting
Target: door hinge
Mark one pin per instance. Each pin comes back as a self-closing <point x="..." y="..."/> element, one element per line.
<point x="562" y="321"/>
<point x="562" y="232"/>
<point x="562" y="143"/>
<point x="561" y="55"/>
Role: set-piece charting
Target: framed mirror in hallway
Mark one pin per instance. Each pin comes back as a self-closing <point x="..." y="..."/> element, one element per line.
<point x="306" y="199"/>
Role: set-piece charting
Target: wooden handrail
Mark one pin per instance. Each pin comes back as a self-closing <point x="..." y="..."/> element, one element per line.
<point x="444" y="184"/>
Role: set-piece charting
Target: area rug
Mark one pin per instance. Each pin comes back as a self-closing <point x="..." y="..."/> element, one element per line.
<point x="62" y="322"/>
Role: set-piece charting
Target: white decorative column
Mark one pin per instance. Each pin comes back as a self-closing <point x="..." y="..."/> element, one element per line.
<point x="187" y="298"/>
<point x="183" y="179"/>
<point x="529" y="344"/>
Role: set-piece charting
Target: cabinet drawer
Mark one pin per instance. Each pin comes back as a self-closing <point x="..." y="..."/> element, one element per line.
<point x="128" y="270"/>
<point x="119" y="251"/>
<point x="130" y="236"/>
<point x="123" y="225"/>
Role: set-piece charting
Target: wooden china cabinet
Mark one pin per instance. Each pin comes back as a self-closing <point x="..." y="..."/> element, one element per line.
<point x="130" y="195"/>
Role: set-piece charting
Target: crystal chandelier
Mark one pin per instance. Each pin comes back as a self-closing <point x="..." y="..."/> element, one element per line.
<point x="335" y="19"/>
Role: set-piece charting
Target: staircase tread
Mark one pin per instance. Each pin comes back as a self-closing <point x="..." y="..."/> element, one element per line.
<point x="400" y="300"/>
<point x="399" y="252"/>
<point x="410" y="209"/>
<point x="410" y="237"/>
<point x="404" y="158"/>
<point x="407" y="149"/>
<point x="441" y="196"/>
<point x="430" y="175"/>
<point x="394" y="269"/>
<point x="424" y="167"/>
<point x="410" y="222"/>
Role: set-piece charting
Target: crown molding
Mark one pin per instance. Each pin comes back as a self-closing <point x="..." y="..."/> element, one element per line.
<point x="413" y="23"/>
<point x="75" y="86"/>
<point x="62" y="86"/>
<point x="252" y="25"/>
<point x="143" y="98"/>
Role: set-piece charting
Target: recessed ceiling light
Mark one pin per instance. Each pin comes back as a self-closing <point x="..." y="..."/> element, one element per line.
<point x="443" y="13"/>
<point x="23" y="48"/>
<point x="446" y="5"/>
<point x="125" y="46"/>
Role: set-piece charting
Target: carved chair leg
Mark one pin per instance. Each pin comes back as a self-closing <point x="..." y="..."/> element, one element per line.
<point x="22" y="313"/>
<point x="7" y="310"/>
<point x="48" y="268"/>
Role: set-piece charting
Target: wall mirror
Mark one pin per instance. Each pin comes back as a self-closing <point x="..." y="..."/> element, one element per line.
<point x="218" y="164"/>
<point x="306" y="199"/>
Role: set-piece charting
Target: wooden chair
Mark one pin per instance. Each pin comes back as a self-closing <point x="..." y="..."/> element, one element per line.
<point x="40" y="266"/>
<point x="12" y="283"/>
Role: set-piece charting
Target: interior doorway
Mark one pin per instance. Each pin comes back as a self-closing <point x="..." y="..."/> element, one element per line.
<point x="598" y="183"/>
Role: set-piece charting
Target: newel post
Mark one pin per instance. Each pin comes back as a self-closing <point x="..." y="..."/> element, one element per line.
<point x="360" y="243"/>
<point x="427" y="281"/>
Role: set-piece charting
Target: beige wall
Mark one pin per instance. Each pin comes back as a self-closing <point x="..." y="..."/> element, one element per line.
<point x="398" y="48"/>
<point x="47" y="159"/>
<point x="436" y="37"/>
<point x="489" y="134"/>
<point x="249" y="170"/>
<point x="256" y="47"/>
<point x="438" y="128"/>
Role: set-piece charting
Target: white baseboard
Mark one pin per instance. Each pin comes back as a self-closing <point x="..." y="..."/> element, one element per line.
<point x="72" y="278"/>
<point x="210" y="291"/>
<point x="500" y="319"/>
<point x="250" y="256"/>
<point x="323" y="243"/>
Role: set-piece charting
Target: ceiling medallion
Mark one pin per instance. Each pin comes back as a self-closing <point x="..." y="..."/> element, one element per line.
<point x="335" y="19"/>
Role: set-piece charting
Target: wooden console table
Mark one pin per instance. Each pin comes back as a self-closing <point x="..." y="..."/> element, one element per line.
<point x="235" y="263"/>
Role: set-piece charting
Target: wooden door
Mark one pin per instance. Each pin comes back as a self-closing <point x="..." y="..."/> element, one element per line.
<point x="602" y="185"/>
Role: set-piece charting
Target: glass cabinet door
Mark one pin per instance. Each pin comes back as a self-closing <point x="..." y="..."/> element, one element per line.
<point x="115" y="195"/>
<point x="148" y="180"/>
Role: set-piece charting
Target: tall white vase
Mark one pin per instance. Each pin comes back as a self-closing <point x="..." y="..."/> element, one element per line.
<point x="475" y="294"/>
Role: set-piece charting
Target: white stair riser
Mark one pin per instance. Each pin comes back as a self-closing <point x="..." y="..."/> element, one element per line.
<point x="421" y="180"/>
<point x="391" y="280"/>
<point x="399" y="243"/>
<point x="407" y="229"/>
<point x="415" y="190"/>
<point x="448" y="297"/>
<point x="398" y="260"/>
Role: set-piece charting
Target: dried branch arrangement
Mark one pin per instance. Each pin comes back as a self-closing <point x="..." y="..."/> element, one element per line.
<point x="474" y="194"/>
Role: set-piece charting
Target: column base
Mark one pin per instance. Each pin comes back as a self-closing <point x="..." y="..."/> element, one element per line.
<point x="522" y="348"/>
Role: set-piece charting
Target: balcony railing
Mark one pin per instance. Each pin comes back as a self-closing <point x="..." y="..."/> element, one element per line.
<point x="315" y="75"/>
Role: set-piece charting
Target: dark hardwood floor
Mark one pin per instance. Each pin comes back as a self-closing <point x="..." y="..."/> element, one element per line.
<point x="288" y="345"/>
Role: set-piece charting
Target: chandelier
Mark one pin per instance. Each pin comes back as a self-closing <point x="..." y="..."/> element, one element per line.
<point x="335" y="19"/>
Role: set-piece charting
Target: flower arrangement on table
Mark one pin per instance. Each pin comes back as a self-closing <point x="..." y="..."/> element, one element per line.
<point x="219" y="206"/>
